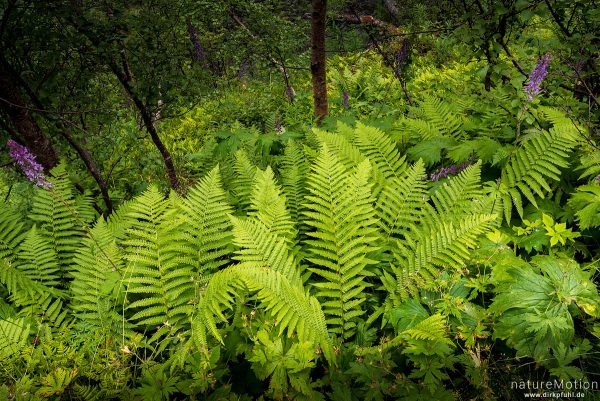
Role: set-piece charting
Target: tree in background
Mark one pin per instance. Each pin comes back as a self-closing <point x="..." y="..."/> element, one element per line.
<point x="318" y="67"/>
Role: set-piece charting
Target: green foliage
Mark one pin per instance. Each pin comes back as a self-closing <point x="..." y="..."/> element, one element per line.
<point x="342" y="214"/>
<point x="534" y="311"/>
<point x="376" y="257"/>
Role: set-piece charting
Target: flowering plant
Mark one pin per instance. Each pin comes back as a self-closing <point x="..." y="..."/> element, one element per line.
<point x="537" y="76"/>
<point x="32" y="169"/>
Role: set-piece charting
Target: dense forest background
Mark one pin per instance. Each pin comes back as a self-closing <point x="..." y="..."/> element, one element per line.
<point x="299" y="200"/>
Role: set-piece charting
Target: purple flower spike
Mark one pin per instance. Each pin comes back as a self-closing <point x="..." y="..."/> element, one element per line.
<point x="32" y="169"/>
<point x="537" y="76"/>
<point x="597" y="179"/>
<point x="444" y="172"/>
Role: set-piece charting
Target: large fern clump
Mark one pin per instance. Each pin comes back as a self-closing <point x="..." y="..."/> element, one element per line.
<point x="343" y="265"/>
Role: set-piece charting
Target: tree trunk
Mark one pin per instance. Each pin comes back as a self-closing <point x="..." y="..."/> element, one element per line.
<point x="147" y="118"/>
<point x="317" y="61"/>
<point x="91" y="166"/>
<point x="19" y="116"/>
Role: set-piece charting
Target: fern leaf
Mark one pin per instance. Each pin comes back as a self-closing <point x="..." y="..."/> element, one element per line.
<point x="293" y="178"/>
<point x="14" y="334"/>
<point x="99" y="265"/>
<point x="529" y="169"/>
<point x="446" y="246"/>
<point x="57" y="213"/>
<point x="400" y="205"/>
<point x="380" y="150"/>
<point x="587" y="203"/>
<point x="268" y="205"/>
<point x="244" y="179"/>
<point x="159" y="284"/>
<point x="208" y="228"/>
<point x="292" y="308"/>
<point x="261" y="247"/>
<point x="341" y="212"/>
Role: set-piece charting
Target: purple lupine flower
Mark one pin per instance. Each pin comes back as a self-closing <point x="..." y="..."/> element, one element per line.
<point x="444" y="172"/>
<point x="597" y="179"/>
<point x="345" y="100"/>
<point x="537" y="76"/>
<point x="32" y="169"/>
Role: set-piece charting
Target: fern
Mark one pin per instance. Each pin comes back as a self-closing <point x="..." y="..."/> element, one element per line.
<point x="269" y="205"/>
<point x="291" y="307"/>
<point x="11" y="233"/>
<point x="400" y="205"/>
<point x="587" y="203"/>
<point x="96" y="292"/>
<point x="446" y="246"/>
<point x="61" y="216"/>
<point x="33" y="280"/>
<point x="437" y="119"/>
<point x="37" y="259"/>
<point x="14" y="335"/>
<point x="460" y="195"/>
<point x="341" y="212"/>
<point x="261" y="247"/>
<point x="530" y="168"/>
<point x="244" y="179"/>
<point x="380" y="150"/>
<point x="345" y="151"/>
<point x="293" y="178"/>
<point x="157" y="282"/>
<point x="207" y="228"/>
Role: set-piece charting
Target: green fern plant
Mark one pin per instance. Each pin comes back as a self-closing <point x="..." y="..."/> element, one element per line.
<point x="294" y="170"/>
<point x="62" y="216"/>
<point x="340" y="209"/>
<point x="14" y="335"/>
<point x="97" y="296"/>
<point x="586" y="202"/>
<point x="207" y="226"/>
<point x="158" y="283"/>
<point x="530" y="168"/>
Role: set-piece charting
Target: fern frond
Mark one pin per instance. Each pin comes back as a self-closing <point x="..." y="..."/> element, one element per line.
<point x="58" y="216"/>
<point x="268" y="206"/>
<point x="244" y="179"/>
<point x="340" y="209"/>
<point x="529" y="169"/>
<point x="380" y="150"/>
<point x="14" y="335"/>
<point x="431" y="329"/>
<point x="400" y="205"/>
<point x="346" y="152"/>
<point x="157" y="281"/>
<point x="261" y="247"/>
<point x="446" y="246"/>
<point x="438" y="119"/>
<point x="293" y="178"/>
<point x="291" y="307"/>
<point x="586" y="202"/>
<point x="37" y="259"/>
<point x="34" y="273"/>
<point x="11" y="233"/>
<point x="460" y="195"/>
<point x="208" y="228"/>
<point x="96" y="290"/>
